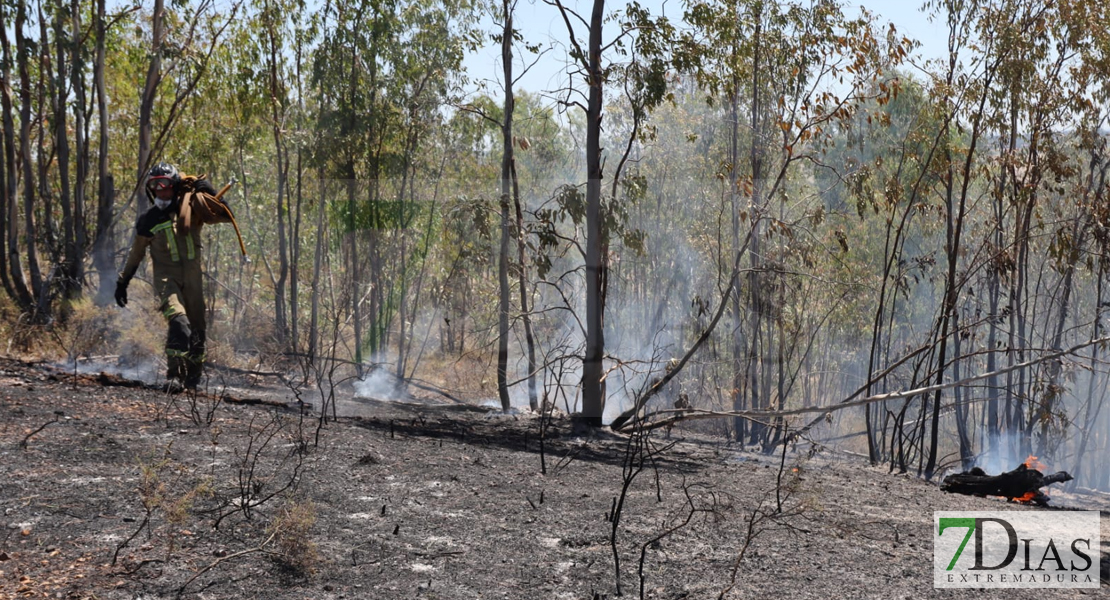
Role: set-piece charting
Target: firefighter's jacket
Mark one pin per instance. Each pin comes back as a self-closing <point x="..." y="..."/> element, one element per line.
<point x="176" y="259"/>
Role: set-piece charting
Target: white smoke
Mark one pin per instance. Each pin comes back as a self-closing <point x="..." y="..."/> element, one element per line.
<point x="378" y="384"/>
<point x="149" y="371"/>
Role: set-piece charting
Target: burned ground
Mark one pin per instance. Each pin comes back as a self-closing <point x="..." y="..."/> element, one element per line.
<point x="117" y="492"/>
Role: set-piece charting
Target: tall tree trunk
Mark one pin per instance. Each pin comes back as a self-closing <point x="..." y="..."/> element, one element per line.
<point x="103" y="239"/>
<point x="281" y="324"/>
<point x="295" y="249"/>
<point x="9" y="178"/>
<point x="994" y="286"/>
<point x="146" y="102"/>
<point x="354" y="266"/>
<point x="953" y="223"/>
<point x="59" y="99"/>
<point x="962" y="410"/>
<point x="756" y="278"/>
<point x="593" y="389"/>
<point x="506" y="191"/>
<point x="955" y="217"/>
<point x="294" y="260"/>
<point x="1016" y="272"/>
<point x="740" y="344"/>
<point x="23" y="49"/>
<point x="317" y="268"/>
<point x="277" y="115"/>
<point x="294" y="281"/>
<point x="525" y="302"/>
<point x="5" y="280"/>
<point x="46" y="227"/>
<point x="406" y="330"/>
<point x="76" y="273"/>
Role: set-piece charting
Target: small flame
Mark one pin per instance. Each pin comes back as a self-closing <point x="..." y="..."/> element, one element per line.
<point x="1028" y="497"/>
<point x="1033" y="463"/>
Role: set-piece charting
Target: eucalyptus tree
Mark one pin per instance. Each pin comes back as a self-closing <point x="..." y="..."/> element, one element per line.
<point x="428" y="76"/>
<point x="103" y="240"/>
<point x="542" y="142"/>
<point x="1096" y="200"/>
<point x="69" y="74"/>
<point x="1064" y="110"/>
<point x="150" y="89"/>
<point x="588" y="59"/>
<point x="381" y="73"/>
<point x="593" y="60"/>
<point x="345" y="76"/>
<point x="512" y="214"/>
<point x="507" y="35"/>
<point x="956" y="184"/>
<point x="257" y="75"/>
<point x="35" y="297"/>
<point x="12" y="272"/>
<point x="1013" y="102"/>
<point x="1091" y="468"/>
<point x="881" y="166"/>
<point x="798" y="72"/>
<point x="464" y="252"/>
<point x="182" y="41"/>
<point x="274" y="25"/>
<point x="541" y="150"/>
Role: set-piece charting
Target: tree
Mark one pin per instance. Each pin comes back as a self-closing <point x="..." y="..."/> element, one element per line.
<point x="34" y="299"/>
<point x="507" y="177"/>
<point x="601" y="214"/>
<point x="103" y="242"/>
<point x="12" y="272"/>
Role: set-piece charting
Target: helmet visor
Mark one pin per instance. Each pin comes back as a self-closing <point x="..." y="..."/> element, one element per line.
<point x="157" y="184"/>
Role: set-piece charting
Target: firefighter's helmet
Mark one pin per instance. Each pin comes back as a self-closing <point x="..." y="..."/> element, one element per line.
<point x="161" y="175"/>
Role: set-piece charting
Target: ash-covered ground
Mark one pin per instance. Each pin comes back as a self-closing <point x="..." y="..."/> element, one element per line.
<point x="117" y="492"/>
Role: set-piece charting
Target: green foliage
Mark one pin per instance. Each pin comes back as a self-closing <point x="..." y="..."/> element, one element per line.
<point x="795" y="122"/>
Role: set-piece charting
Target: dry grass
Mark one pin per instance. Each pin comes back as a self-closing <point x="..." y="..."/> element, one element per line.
<point x="472" y="375"/>
<point x="292" y="529"/>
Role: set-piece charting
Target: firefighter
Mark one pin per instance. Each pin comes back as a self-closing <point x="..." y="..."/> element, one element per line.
<point x="175" y="255"/>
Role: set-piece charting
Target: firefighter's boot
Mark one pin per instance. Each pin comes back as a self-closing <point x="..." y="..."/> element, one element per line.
<point x="177" y="351"/>
<point x="194" y="362"/>
<point x="194" y="372"/>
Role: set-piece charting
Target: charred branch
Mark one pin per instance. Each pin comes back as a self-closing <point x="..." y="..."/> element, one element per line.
<point x="1022" y="484"/>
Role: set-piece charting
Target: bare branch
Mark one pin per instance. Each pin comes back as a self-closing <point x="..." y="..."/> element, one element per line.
<point x="697" y="414"/>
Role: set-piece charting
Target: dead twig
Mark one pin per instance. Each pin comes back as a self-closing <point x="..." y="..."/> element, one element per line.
<point x="57" y="417"/>
<point x="692" y="510"/>
<point x="259" y="548"/>
<point x="764" y="516"/>
<point x="124" y="543"/>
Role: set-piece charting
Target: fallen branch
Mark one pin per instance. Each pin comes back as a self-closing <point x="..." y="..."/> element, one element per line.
<point x="693" y="413"/>
<point x="628" y="416"/>
<point x="109" y="380"/>
<point x="427" y="387"/>
<point x="259" y="548"/>
<point x="1022" y="484"/>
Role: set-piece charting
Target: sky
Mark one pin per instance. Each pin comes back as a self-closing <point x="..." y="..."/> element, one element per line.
<point x="540" y="23"/>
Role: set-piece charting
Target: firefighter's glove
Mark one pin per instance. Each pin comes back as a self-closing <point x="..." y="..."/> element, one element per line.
<point x="203" y="186"/>
<point x="121" y="293"/>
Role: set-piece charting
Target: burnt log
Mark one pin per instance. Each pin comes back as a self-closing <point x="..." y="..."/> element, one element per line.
<point x="1022" y="484"/>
